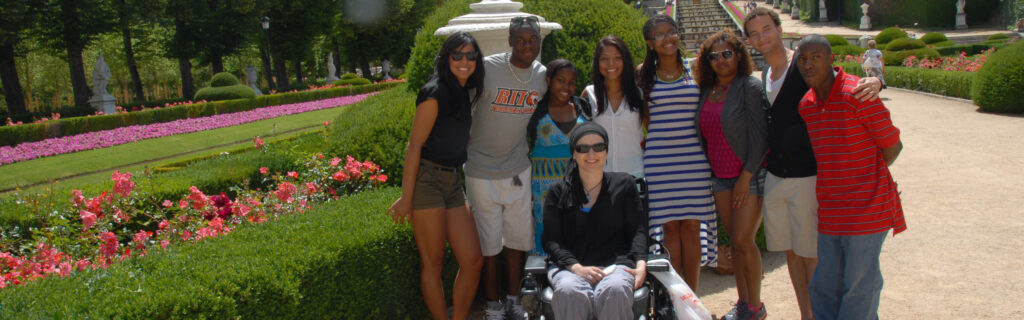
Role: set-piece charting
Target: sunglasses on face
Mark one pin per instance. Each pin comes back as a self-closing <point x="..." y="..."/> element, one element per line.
<point x="525" y="19"/>
<point x="724" y="54"/>
<point x="471" y="55"/>
<point x="597" y="147"/>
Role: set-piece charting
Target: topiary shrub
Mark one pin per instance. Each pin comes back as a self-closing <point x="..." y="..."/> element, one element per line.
<point x="997" y="85"/>
<point x="349" y="76"/>
<point x="934" y="37"/>
<point x="223" y="79"/>
<point x="356" y="81"/>
<point x="378" y="129"/>
<point x="237" y="91"/>
<point x="890" y="34"/>
<point x="895" y="58"/>
<point x="999" y="36"/>
<point x="942" y="44"/>
<point x="905" y="44"/>
<point x="846" y="50"/>
<point x="836" y="40"/>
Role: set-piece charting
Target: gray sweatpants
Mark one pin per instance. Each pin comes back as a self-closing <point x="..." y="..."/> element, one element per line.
<point x="575" y="298"/>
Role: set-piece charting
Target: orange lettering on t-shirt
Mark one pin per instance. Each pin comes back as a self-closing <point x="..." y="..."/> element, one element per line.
<point x="503" y="96"/>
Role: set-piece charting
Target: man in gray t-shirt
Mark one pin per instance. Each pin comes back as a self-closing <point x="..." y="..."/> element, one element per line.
<point x="498" y="164"/>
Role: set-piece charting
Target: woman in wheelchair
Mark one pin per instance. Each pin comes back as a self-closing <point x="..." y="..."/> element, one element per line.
<point x="595" y="232"/>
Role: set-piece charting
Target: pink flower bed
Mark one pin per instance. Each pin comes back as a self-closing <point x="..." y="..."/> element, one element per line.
<point x="961" y="62"/>
<point x="113" y="137"/>
<point x="95" y="232"/>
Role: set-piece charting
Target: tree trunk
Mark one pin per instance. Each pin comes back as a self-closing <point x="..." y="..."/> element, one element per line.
<point x="267" y="71"/>
<point x="217" y="63"/>
<point x="352" y="66"/>
<point x="78" y="83"/>
<point x="298" y="71"/>
<point x="187" y="86"/>
<point x="9" y="77"/>
<point x="365" y="66"/>
<point x="282" y="73"/>
<point x="129" y="53"/>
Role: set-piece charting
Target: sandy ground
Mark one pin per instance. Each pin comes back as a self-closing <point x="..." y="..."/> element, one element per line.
<point x="962" y="253"/>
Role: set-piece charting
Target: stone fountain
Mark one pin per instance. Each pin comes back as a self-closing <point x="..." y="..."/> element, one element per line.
<point x="489" y="24"/>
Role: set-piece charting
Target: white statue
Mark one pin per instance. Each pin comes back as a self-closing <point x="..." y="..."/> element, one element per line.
<point x="331" y="68"/>
<point x="865" y="20"/>
<point x="961" y="17"/>
<point x="386" y="66"/>
<point x="101" y="100"/>
<point x="822" y="11"/>
<point x="100" y="77"/>
<point x="253" y="78"/>
<point x="960" y="6"/>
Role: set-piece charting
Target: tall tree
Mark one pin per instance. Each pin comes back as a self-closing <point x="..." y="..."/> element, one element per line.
<point x="71" y="25"/>
<point x="130" y="12"/>
<point x="182" y="44"/>
<point x="295" y="25"/>
<point x="365" y="36"/>
<point x="15" y="18"/>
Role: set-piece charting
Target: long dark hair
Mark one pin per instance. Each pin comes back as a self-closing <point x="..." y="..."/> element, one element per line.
<point x="702" y="70"/>
<point x="629" y="88"/>
<point x="442" y="69"/>
<point x="649" y="70"/>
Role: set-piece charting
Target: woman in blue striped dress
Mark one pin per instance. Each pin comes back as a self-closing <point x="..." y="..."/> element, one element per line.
<point x="677" y="171"/>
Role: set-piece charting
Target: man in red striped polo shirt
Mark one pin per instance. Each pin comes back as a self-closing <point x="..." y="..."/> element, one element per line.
<point x="854" y="144"/>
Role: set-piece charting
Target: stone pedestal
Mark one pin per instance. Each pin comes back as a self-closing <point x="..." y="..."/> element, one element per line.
<point x="796" y="11"/>
<point x="776" y="3"/>
<point x="865" y="20"/>
<point x="864" y="41"/>
<point x="252" y="78"/>
<point x="106" y="103"/>
<point x="822" y="12"/>
<point x="961" y="21"/>
<point x="489" y="24"/>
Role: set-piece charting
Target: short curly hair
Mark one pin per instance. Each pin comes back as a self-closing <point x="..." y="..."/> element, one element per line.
<point x="704" y="74"/>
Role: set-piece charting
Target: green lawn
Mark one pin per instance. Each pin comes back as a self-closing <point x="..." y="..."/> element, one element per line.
<point x="99" y="163"/>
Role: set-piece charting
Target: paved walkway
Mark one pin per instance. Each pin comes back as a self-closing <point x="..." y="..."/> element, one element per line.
<point x="962" y="253"/>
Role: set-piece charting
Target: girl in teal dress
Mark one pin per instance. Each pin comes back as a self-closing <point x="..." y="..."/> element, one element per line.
<point x="557" y="113"/>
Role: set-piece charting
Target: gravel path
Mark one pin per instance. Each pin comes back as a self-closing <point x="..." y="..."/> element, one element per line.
<point x="962" y="253"/>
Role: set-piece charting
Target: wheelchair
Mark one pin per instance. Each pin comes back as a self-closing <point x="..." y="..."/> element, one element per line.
<point x="650" y="301"/>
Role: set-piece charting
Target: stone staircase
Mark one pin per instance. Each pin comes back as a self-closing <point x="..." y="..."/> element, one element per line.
<point x="700" y="21"/>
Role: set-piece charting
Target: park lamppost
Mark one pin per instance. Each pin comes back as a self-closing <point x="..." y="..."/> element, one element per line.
<point x="265" y="23"/>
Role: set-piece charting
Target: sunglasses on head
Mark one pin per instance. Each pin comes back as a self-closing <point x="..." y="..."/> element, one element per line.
<point x="471" y="55"/>
<point x="597" y="147"/>
<point x="724" y="54"/>
<point x="525" y="19"/>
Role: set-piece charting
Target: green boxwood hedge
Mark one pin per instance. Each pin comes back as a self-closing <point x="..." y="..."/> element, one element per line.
<point x="223" y="79"/>
<point x="970" y="49"/>
<point x="890" y="34"/>
<point x="376" y="129"/>
<point x="835" y="40"/>
<point x="997" y="87"/>
<point x="942" y="44"/>
<point x="845" y="50"/>
<point x="352" y="81"/>
<point x="13" y="135"/>
<point x="934" y="37"/>
<point x="942" y="82"/>
<point x="905" y="44"/>
<point x="225" y="93"/>
<point x="999" y="36"/>
<point x="343" y="260"/>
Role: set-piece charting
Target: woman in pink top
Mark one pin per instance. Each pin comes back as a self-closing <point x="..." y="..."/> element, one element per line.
<point x="732" y="125"/>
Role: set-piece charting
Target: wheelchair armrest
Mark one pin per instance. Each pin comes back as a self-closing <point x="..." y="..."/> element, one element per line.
<point x="535" y="265"/>
<point x="658" y="263"/>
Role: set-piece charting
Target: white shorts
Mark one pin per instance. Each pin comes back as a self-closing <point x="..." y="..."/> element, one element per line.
<point x="503" y="212"/>
<point x="791" y="215"/>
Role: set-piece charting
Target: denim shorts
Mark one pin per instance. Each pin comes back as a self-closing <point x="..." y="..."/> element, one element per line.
<point x="756" y="183"/>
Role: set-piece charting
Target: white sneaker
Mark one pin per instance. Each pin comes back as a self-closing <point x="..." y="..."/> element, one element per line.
<point x="494" y="310"/>
<point x="514" y="308"/>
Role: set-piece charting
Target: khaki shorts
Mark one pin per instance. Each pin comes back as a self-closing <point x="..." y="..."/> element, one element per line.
<point x="791" y="215"/>
<point x="503" y="212"/>
<point x="438" y="186"/>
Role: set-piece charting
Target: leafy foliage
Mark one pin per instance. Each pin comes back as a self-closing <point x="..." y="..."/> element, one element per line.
<point x="905" y="44"/>
<point x="223" y="79"/>
<point x="890" y="34"/>
<point x="237" y="91"/>
<point x="377" y="128"/>
<point x="934" y="37"/>
<point x="836" y="40"/>
<point x="997" y="87"/>
<point x="942" y="82"/>
<point x="895" y="58"/>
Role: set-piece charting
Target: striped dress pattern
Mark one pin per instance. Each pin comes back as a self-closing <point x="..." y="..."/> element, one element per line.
<point x="678" y="173"/>
<point x="549" y="158"/>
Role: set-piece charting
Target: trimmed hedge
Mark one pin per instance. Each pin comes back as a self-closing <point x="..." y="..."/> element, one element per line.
<point x="890" y="34"/>
<point x="999" y="36"/>
<point x="942" y="82"/>
<point x="902" y="44"/>
<point x="997" y="87"/>
<point x="223" y="79"/>
<point x="377" y="129"/>
<point x="352" y="81"/>
<point x="349" y="75"/>
<point x="942" y="44"/>
<point x="225" y="93"/>
<point x="896" y="58"/>
<point x="13" y="135"/>
<point x="835" y="40"/>
<point x="848" y="50"/>
<point x="342" y="260"/>
<point x="970" y="49"/>
<point x="934" y="37"/>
